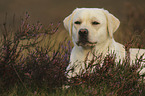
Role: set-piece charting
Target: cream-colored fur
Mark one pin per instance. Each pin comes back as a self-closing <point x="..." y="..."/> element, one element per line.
<point x="100" y="38"/>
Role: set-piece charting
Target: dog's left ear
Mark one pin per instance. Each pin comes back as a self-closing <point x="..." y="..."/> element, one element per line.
<point x="112" y="23"/>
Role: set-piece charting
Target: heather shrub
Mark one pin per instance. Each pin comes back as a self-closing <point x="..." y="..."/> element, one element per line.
<point x="24" y="62"/>
<point x="111" y="79"/>
<point x="42" y="68"/>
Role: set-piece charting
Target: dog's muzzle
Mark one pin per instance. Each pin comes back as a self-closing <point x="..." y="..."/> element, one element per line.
<point x="83" y="39"/>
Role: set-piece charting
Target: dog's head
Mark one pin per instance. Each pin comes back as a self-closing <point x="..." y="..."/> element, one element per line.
<point x="89" y="26"/>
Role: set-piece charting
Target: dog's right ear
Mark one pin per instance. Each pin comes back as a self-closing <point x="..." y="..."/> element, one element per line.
<point x="68" y="22"/>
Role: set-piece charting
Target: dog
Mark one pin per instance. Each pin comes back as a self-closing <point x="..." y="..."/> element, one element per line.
<point x="92" y="31"/>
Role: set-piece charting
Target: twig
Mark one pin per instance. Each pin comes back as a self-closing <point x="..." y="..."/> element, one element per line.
<point x="19" y="77"/>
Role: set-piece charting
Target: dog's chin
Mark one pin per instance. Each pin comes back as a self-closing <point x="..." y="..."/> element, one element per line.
<point x="86" y="44"/>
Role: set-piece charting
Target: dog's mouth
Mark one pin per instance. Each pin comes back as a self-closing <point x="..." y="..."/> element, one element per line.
<point x="86" y="43"/>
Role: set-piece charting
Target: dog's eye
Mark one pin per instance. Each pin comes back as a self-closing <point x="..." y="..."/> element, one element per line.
<point x="77" y="22"/>
<point x="95" y="23"/>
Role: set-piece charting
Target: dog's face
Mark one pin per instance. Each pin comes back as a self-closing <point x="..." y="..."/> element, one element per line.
<point x="90" y="26"/>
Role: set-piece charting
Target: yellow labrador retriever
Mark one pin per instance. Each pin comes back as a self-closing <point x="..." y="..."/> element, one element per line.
<point x="92" y="30"/>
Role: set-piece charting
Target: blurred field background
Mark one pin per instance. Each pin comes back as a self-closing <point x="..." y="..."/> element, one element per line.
<point x="131" y="14"/>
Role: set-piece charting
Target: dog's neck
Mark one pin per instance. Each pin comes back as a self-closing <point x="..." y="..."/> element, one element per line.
<point x="105" y="46"/>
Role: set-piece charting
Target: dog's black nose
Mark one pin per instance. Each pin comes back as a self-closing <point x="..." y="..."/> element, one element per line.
<point x="83" y="32"/>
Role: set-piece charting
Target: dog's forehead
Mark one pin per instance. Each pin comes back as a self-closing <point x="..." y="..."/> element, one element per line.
<point x="89" y="13"/>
